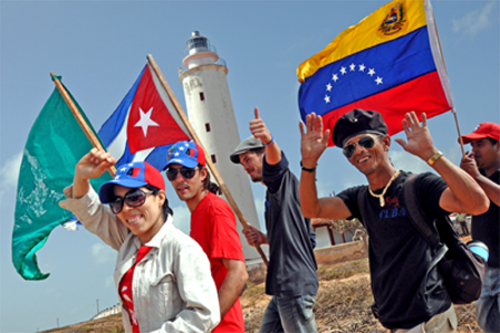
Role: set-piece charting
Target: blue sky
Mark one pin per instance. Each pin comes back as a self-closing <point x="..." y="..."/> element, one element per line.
<point x="99" y="48"/>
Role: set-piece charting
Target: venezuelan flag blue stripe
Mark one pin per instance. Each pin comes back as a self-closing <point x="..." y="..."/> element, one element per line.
<point x="366" y="73"/>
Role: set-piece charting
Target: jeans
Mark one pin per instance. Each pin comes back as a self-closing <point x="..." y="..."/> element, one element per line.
<point x="289" y="314"/>
<point x="488" y="305"/>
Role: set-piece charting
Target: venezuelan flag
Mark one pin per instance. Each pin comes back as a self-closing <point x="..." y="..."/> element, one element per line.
<point x="389" y="62"/>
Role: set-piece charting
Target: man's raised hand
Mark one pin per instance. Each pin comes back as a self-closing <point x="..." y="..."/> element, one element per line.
<point x="418" y="136"/>
<point x="258" y="128"/>
<point x="313" y="141"/>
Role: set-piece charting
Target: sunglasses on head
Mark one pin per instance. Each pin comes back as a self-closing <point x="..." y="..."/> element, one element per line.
<point x="365" y="142"/>
<point x="134" y="198"/>
<point x="187" y="173"/>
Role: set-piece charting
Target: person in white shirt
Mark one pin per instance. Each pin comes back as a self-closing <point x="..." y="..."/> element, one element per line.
<point x="162" y="275"/>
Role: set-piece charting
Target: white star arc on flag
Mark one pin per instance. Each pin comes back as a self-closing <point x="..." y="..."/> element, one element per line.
<point x="343" y="70"/>
<point x="145" y="121"/>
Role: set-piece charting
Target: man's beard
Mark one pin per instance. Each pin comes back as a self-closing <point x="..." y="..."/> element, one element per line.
<point x="256" y="179"/>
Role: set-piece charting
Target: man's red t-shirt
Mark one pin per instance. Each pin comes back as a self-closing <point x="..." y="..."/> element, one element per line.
<point x="213" y="226"/>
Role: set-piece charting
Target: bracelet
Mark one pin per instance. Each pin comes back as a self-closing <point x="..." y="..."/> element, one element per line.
<point x="307" y="169"/>
<point x="270" y="142"/>
<point x="434" y="158"/>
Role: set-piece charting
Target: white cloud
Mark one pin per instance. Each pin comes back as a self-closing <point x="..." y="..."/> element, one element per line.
<point x="10" y="174"/>
<point x="408" y="162"/>
<point x="182" y="218"/>
<point x="473" y="22"/>
<point x="102" y="253"/>
<point x="109" y="282"/>
<point x="454" y="154"/>
<point x="352" y="179"/>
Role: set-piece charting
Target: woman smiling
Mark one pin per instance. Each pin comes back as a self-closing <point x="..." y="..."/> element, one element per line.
<point x="162" y="275"/>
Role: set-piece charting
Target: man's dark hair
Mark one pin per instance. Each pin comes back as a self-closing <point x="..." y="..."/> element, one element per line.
<point x="166" y="208"/>
<point x="493" y="141"/>
<point x="208" y="185"/>
<point x="258" y="151"/>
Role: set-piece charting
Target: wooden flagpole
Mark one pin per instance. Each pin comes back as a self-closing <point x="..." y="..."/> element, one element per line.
<point x="210" y="164"/>
<point x="79" y="118"/>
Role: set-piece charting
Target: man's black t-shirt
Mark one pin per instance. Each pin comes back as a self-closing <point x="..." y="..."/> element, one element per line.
<point x="292" y="264"/>
<point x="486" y="227"/>
<point x="399" y="255"/>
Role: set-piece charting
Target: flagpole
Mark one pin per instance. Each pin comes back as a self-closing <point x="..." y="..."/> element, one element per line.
<point x="195" y="137"/>
<point x="94" y="140"/>
<point x="458" y="130"/>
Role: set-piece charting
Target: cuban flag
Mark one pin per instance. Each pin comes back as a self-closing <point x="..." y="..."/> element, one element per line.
<point x="144" y="125"/>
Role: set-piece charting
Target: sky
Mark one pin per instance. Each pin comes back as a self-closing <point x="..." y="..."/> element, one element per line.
<point x="99" y="49"/>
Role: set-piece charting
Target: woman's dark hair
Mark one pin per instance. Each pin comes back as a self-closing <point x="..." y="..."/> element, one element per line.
<point x="208" y="185"/>
<point x="166" y="208"/>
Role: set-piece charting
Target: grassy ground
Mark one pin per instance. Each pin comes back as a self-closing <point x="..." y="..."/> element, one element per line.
<point x="342" y="305"/>
<point x="343" y="302"/>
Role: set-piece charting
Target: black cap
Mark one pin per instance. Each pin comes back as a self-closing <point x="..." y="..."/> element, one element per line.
<point x="249" y="143"/>
<point x="357" y="122"/>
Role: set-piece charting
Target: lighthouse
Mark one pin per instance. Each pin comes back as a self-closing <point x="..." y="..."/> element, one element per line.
<point x="211" y="114"/>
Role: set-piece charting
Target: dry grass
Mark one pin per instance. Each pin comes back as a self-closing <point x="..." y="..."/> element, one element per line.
<point x="343" y="302"/>
<point x="342" y="305"/>
<point x="111" y="324"/>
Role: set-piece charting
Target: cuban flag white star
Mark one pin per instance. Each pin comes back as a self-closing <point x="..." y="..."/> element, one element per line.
<point x="145" y="121"/>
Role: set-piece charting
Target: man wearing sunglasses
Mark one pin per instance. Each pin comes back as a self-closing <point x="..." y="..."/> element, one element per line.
<point x="291" y="274"/>
<point x="213" y="226"/>
<point x="399" y="256"/>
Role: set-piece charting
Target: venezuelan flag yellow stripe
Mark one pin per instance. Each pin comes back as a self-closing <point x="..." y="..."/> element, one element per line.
<point x="368" y="33"/>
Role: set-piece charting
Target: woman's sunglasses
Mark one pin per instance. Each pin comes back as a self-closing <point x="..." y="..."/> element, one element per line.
<point x="365" y="142"/>
<point x="134" y="198"/>
<point x="187" y="173"/>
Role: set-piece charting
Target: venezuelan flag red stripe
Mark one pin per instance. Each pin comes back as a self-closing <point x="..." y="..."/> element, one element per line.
<point x="392" y="102"/>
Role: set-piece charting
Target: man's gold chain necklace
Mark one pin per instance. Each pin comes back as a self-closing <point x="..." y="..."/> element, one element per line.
<point x="381" y="195"/>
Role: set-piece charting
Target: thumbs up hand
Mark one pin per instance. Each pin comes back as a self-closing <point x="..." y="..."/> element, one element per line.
<point x="258" y="128"/>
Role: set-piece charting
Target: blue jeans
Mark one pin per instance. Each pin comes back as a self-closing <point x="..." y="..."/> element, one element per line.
<point x="289" y="314"/>
<point x="488" y="305"/>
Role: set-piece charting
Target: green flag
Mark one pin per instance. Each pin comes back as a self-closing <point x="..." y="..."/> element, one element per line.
<point x="54" y="146"/>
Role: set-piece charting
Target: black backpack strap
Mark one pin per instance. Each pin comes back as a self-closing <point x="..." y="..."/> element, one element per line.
<point x="416" y="215"/>
<point x="419" y="221"/>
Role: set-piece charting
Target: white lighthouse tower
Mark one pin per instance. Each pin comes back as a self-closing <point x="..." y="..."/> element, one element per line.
<point x="211" y="113"/>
